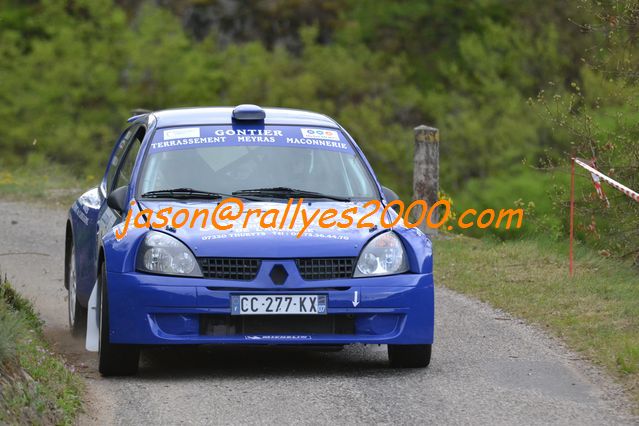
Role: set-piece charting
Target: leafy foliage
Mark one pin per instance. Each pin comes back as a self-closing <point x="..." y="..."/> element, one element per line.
<point x="598" y="114"/>
<point x="73" y="71"/>
<point x="68" y="91"/>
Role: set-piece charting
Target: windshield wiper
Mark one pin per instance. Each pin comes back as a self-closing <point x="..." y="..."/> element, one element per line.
<point x="182" y="193"/>
<point x="190" y="193"/>
<point x="285" y="192"/>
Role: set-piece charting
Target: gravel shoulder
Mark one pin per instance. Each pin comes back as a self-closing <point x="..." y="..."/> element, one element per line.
<point x="487" y="366"/>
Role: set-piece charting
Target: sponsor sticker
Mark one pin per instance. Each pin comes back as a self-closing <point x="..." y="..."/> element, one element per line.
<point x="245" y="135"/>
<point x="320" y="134"/>
<point x="278" y="337"/>
<point x="189" y="132"/>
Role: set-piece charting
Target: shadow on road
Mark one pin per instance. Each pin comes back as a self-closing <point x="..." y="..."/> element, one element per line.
<point x="267" y="361"/>
<point x="234" y="361"/>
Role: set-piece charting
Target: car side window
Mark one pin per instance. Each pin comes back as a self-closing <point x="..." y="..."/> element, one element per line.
<point x="123" y="175"/>
<point x="118" y="155"/>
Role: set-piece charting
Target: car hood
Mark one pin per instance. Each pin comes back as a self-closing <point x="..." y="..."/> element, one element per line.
<point x="258" y="241"/>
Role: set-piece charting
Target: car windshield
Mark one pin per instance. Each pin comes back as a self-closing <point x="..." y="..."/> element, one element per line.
<point x="228" y="159"/>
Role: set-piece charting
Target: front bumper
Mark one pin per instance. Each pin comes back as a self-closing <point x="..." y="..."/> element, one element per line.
<point x="162" y="310"/>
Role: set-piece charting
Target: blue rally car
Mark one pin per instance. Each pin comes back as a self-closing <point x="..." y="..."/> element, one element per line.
<point x="249" y="284"/>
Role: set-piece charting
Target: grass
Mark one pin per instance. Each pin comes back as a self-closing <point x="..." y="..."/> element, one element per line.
<point x="596" y="312"/>
<point x="36" y="387"/>
<point x="40" y="181"/>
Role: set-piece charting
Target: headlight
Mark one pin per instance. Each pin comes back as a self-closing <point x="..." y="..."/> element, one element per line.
<point x="383" y="255"/>
<point x="162" y="254"/>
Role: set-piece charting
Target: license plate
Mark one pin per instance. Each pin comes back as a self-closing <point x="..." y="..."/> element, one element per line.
<point x="285" y="304"/>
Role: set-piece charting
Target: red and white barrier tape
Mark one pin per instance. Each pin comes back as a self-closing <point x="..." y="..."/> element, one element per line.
<point x="596" y="180"/>
<point x="629" y="192"/>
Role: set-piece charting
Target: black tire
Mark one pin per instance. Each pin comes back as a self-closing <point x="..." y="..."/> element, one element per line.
<point x="409" y="356"/>
<point x="114" y="360"/>
<point x="77" y="312"/>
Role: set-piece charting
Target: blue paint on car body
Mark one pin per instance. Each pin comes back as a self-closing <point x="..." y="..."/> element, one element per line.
<point x="149" y="308"/>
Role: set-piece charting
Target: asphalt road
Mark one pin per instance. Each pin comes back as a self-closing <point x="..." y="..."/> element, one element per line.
<point x="487" y="367"/>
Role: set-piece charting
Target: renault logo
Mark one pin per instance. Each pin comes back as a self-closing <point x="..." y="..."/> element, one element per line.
<point x="278" y="275"/>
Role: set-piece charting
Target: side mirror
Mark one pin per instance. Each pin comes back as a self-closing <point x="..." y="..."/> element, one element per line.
<point x="390" y="195"/>
<point x="117" y="199"/>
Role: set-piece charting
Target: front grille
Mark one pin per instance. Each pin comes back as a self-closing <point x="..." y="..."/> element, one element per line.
<point x="229" y="268"/>
<point x="232" y="325"/>
<point x="326" y="268"/>
<point x="246" y="269"/>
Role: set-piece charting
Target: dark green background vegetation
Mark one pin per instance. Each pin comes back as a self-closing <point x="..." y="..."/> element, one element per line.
<point x="514" y="87"/>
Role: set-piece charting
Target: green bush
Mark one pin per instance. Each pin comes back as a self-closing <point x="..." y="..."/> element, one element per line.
<point x="528" y="189"/>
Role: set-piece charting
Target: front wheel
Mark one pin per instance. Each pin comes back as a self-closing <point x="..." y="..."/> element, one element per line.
<point x="409" y="356"/>
<point x="77" y="313"/>
<point x="114" y="360"/>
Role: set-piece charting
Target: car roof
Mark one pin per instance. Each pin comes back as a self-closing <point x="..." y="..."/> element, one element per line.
<point x="222" y="115"/>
